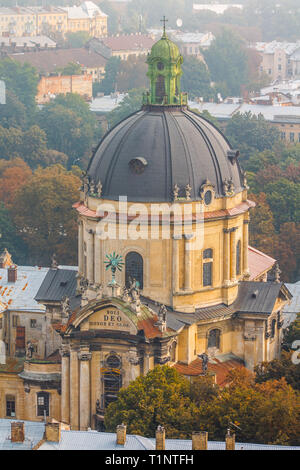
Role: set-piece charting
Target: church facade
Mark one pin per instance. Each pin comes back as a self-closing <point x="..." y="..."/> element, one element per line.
<point x="164" y="271"/>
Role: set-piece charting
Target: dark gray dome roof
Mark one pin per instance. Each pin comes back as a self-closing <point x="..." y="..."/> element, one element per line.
<point x="168" y="146"/>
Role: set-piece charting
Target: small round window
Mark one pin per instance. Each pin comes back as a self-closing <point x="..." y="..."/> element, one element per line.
<point x="160" y="66"/>
<point x="208" y="197"/>
<point x="138" y="165"/>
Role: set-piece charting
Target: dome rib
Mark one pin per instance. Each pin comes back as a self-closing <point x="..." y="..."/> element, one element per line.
<point x="179" y="146"/>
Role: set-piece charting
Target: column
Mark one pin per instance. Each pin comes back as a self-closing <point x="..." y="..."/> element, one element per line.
<point x="90" y="255"/>
<point x="65" y="386"/>
<point x="80" y="247"/>
<point x="226" y="273"/>
<point x="84" y="357"/>
<point x="245" y="248"/>
<point x="188" y="263"/>
<point x="233" y="253"/>
<point x="176" y="239"/>
<point x="74" y="391"/>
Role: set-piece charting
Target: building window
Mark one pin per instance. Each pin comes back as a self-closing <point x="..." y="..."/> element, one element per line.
<point x="134" y="269"/>
<point x="207" y="267"/>
<point x="42" y="404"/>
<point x="32" y="323"/>
<point x="10" y="405"/>
<point x="282" y="136"/>
<point x="213" y="340"/>
<point x="15" y="321"/>
<point x="238" y="257"/>
<point x="112" y="378"/>
<point x="273" y="327"/>
<point x="292" y="137"/>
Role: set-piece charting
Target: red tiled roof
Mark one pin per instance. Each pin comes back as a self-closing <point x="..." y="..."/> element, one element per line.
<point x="126" y="42"/>
<point x="259" y="263"/>
<point x="240" y="209"/>
<point x="148" y="325"/>
<point x="221" y="369"/>
<point x="50" y="60"/>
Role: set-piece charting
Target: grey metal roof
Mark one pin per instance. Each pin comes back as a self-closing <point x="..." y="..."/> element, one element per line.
<point x="290" y="311"/>
<point x="93" y="440"/>
<point x="20" y="295"/>
<point x="34" y="432"/>
<point x="257" y="297"/>
<point x="180" y="148"/>
<point x="58" y="283"/>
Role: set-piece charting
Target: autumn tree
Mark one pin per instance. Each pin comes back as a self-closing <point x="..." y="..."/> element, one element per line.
<point x="262" y="233"/>
<point x="13" y="178"/>
<point x="159" y="398"/>
<point x="43" y="215"/>
<point x="278" y="369"/>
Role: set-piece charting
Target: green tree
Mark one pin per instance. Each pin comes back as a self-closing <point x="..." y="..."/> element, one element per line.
<point x="283" y="197"/>
<point x="109" y="82"/>
<point x="130" y="104"/>
<point x="70" y="69"/>
<point x="22" y="80"/>
<point x="250" y="133"/>
<point x="278" y="369"/>
<point x="70" y="126"/>
<point x="159" y="398"/>
<point x="196" y="79"/>
<point x="9" y="237"/>
<point x="227" y="62"/>
<point x="13" y="113"/>
<point x="51" y="227"/>
<point x="76" y="39"/>
<point x="132" y="74"/>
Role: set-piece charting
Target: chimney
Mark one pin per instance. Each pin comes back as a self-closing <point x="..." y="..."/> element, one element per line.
<point x="121" y="434"/>
<point x="230" y="440"/>
<point x="12" y="273"/>
<point x="52" y="432"/>
<point x="160" y="438"/>
<point x="199" y="440"/>
<point x="17" y="431"/>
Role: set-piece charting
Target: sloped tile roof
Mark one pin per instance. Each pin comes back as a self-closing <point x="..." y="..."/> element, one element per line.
<point x="259" y="262"/>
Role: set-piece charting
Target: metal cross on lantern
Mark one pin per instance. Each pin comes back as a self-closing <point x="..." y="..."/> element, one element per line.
<point x="164" y="21"/>
<point x="114" y="263"/>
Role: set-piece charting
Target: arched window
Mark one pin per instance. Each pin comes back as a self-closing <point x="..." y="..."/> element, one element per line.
<point x="134" y="269"/>
<point x="112" y="378"/>
<point x="160" y="88"/>
<point x="207" y="267"/>
<point x="43" y="403"/>
<point x="238" y="257"/>
<point x="213" y="340"/>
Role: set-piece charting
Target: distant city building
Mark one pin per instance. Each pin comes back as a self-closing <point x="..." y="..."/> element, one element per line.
<point x="280" y="60"/>
<point x="193" y="43"/>
<point x="14" y="44"/>
<point x="218" y="8"/>
<point x="87" y="17"/>
<point x="39" y="20"/>
<point x="123" y="45"/>
<point x="285" y="118"/>
<point x="48" y="62"/>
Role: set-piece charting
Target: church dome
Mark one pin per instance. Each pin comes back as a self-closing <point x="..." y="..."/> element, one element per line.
<point x="164" y="145"/>
<point x="165" y="48"/>
<point x="153" y="150"/>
